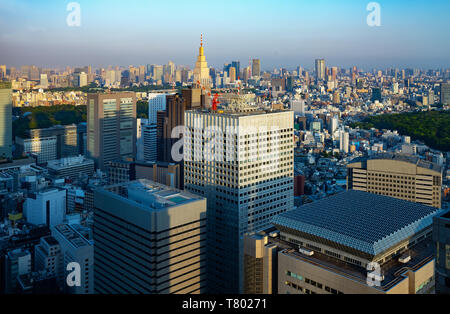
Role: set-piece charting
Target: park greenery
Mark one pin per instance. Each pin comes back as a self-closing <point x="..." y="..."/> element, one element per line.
<point x="431" y="127"/>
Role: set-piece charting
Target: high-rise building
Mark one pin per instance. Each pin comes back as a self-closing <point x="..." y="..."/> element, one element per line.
<point x="232" y="74"/>
<point x="401" y="176"/>
<point x="111" y="127"/>
<point x="320" y="69"/>
<point x="256" y="68"/>
<point x="81" y="79"/>
<point x="237" y="66"/>
<point x="75" y="248"/>
<point x="5" y="121"/>
<point x="140" y="124"/>
<point x="168" y="120"/>
<point x="201" y="70"/>
<point x="445" y="94"/>
<point x="150" y="142"/>
<point x="247" y="178"/>
<point x="376" y="95"/>
<point x="441" y="239"/>
<point x="156" y="102"/>
<point x="44" y="81"/>
<point x="344" y="141"/>
<point x="144" y="223"/>
<point x="350" y="243"/>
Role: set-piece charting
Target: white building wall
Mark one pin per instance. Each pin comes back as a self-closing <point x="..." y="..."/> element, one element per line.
<point x="36" y="209"/>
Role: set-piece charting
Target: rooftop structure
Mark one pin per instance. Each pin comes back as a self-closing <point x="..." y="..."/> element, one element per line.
<point x="360" y="223"/>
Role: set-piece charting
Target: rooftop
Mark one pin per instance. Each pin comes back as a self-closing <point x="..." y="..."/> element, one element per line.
<point x="401" y="157"/>
<point x="367" y="223"/>
<point x="154" y="195"/>
<point x="72" y="235"/>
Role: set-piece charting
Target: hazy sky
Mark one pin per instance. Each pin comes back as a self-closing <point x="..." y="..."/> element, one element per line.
<point x="282" y="33"/>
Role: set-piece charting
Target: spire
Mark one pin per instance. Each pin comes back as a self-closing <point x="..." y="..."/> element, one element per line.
<point x="201" y="49"/>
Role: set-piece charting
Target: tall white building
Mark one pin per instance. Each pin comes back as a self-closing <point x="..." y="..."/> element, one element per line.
<point x="156" y="102"/>
<point x="334" y="124"/>
<point x="46" y="207"/>
<point x="75" y="248"/>
<point x="246" y="176"/>
<point x="344" y="141"/>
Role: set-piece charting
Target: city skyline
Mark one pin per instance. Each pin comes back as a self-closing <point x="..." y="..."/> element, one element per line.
<point x="151" y="32"/>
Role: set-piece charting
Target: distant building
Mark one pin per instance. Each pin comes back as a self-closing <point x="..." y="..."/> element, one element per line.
<point x="256" y="68"/>
<point x="169" y="227"/>
<point x="401" y="176"/>
<point x="441" y="239"/>
<point x="5" y="121"/>
<point x="111" y="129"/>
<point x="156" y="102"/>
<point x="445" y="94"/>
<point x="350" y="243"/>
<point x="376" y="95"/>
<point x="150" y="142"/>
<point x="320" y="69"/>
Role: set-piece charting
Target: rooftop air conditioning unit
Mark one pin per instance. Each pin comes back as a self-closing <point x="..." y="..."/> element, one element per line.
<point x="404" y="258"/>
<point x="306" y="252"/>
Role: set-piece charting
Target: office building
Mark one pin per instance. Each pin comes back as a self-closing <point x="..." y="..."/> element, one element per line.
<point x="320" y="69"/>
<point x="17" y="262"/>
<point x="401" y="176"/>
<point x="48" y="258"/>
<point x="247" y="178"/>
<point x="71" y="167"/>
<point x="43" y="149"/>
<point x="150" y="142"/>
<point x="376" y="95"/>
<point x="75" y="248"/>
<point x="156" y="102"/>
<point x="445" y="94"/>
<point x="111" y="127"/>
<point x="168" y="120"/>
<point x="256" y="68"/>
<point x="46" y="207"/>
<point x="298" y="106"/>
<point x="441" y="239"/>
<point x="146" y="223"/>
<point x="344" y="141"/>
<point x="5" y="121"/>
<point x="66" y="139"/>
<point x="355" y="243"/>
<point x="140" y="124"/>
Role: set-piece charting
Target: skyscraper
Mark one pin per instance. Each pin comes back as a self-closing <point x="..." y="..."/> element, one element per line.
<point x="111" y="127"/>
<point x="5" y="121"/>
<point x="201" y="70"/>
<point x="247" y="178"/>
<point x="445" y="94"/>
<point x="149" y="238"/>
<point x="320" y="69"/>
<point x="256" y="68"/>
